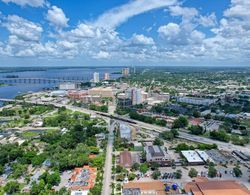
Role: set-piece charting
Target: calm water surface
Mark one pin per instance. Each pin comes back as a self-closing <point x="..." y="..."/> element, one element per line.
<point x="67" y="73"/>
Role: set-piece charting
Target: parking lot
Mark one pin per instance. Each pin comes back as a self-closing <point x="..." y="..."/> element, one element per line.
<point x="65" y="176"/>
<point x="167" y="174"/>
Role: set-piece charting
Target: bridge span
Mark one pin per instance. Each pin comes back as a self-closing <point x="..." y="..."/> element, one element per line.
<point x="76" y="80"/>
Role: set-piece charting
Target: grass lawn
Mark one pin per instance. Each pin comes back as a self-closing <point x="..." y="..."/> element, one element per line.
<point x="51" y="130"/>
<point x="1" y="190"/>
<point x="29" y="134"/>
<point x="246" y="123"/>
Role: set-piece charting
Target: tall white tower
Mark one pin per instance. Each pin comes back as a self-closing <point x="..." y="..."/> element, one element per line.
<point x="125" y="72"/>
<point x="96" y="78"/>
<point x="106" y="76"/>
<point x="136" y="96"/>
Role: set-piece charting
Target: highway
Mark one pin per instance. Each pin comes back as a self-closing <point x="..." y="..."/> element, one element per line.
<point x="221" y="145"/>
<point x="154" y="128"/>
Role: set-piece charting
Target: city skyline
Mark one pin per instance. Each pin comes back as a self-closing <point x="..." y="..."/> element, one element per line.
<point x="150" y="33"/>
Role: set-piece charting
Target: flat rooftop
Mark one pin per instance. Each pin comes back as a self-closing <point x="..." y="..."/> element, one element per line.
<point x="204" y="155"/>
<point x="155" y="151"/>
<point x="192" y="156"/>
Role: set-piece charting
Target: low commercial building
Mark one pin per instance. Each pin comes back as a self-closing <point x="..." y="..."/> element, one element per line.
<point x="240" y="155"/>
<point x="125" y="159"/>
<point x="152" y="101"/>
<point x="103" y="91"/>
<point x="143" y="188"/>
<point x="161" y="96"/>
<point x="82" y="180"/>
<point x="157" y="154"/>
<point x="192" y="157"/>
<point x="91" y="99"/>
<point x="211" y="125"/>
<point x="221" y="157"/>
<point x="205" y="112"/>
<point x="196" y="101"/>
<point x="204" y="156"/>
<point x="84" y="97"/>
<point x="58" y="93"/>
<point x="67" y="86"/>
<point x="204" y="186"/>
<point x="77" y="94"/>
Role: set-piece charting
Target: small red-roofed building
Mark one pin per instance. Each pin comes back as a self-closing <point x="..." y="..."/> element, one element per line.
<point x="82" y="180"/>
<point x="195" y="121"/>
<point x="125" y="159"/>
<point x="203" y="186"/>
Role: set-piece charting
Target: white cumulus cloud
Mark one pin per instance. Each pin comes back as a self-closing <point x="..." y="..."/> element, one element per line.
<point x="239" y="9"/>
<point x="184" y="38"/>
<point x="141" y="40"/>
<point x="22" y="28"/>
<point x="208" y="21"/>
<point x="121" y="14"/>
<point x="57" y="17"/>
<point x="185" y="12"/>
<point x="170" y="30"/>
<point x="102" y="55"/>
<point x="32" y="3"/>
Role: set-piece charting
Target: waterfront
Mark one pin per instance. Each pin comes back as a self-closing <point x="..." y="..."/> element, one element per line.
<point x="82" y="73"/>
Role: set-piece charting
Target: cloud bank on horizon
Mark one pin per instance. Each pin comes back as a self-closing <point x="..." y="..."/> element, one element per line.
<point x="136" y="32"/>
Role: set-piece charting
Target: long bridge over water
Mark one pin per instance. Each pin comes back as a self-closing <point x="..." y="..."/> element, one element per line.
<point x="76" y="80"/>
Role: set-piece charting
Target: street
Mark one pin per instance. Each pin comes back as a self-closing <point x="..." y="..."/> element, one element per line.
<point x="108" y="163"/>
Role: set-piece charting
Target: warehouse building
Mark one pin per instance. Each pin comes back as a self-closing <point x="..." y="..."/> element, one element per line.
<point x="192" y="157"/>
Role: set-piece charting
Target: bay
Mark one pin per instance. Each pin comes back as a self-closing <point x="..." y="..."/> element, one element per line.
<point x="85" y="74"/>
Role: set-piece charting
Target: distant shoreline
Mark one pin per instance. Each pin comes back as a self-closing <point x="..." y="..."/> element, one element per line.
<point x="36" y="69"/>
<point x="2" y="85"/>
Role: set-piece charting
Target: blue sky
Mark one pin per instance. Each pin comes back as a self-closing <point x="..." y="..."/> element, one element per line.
<point x="124" y="32"/>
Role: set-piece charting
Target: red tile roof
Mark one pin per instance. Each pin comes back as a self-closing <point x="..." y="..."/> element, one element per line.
<point x="126" y="159"/>
<point x="157" y="187"/>
<point x="195" y="121"/>
<point x="83" y="178"/>
<point x="227" y="187"/>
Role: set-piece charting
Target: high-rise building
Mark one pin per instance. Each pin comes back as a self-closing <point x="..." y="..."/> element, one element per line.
<point x="136" y="96"/>
<point x="133" y="69"/>
<point x="96" y="78"/>
<point x="124" y="101"/>
<point x="125" y="71"/>
<point x="106" y="76"/>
